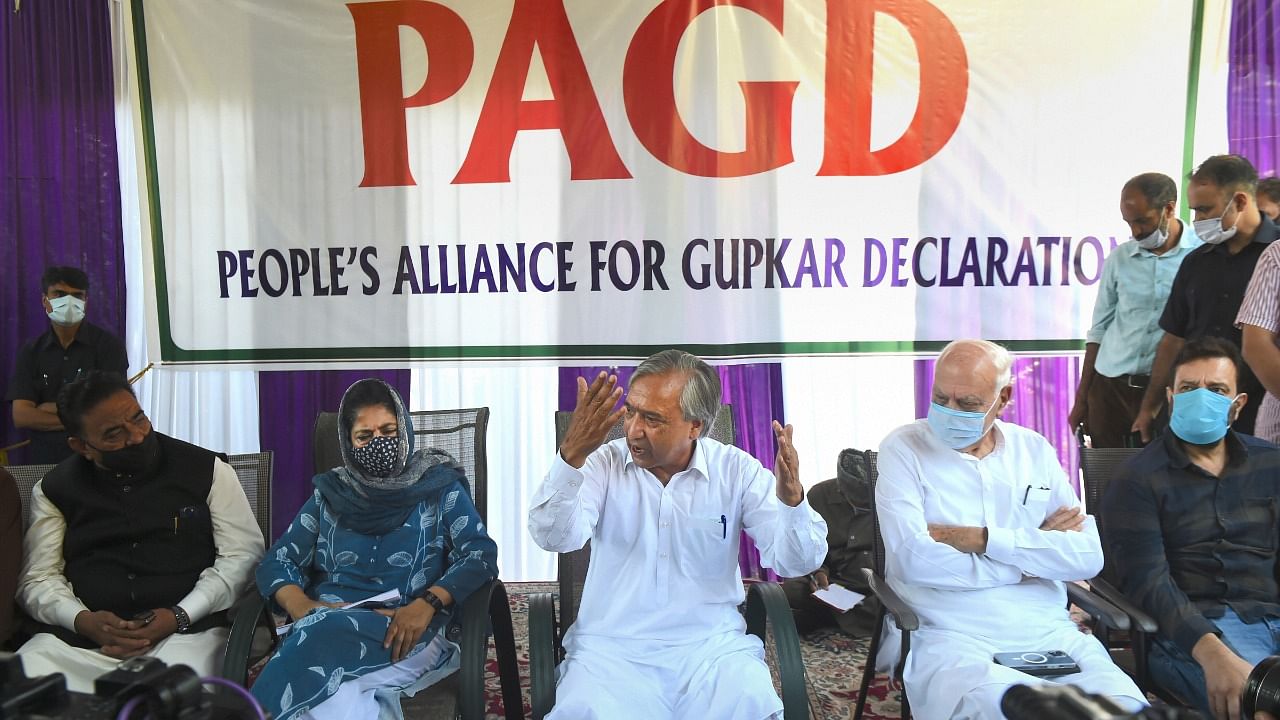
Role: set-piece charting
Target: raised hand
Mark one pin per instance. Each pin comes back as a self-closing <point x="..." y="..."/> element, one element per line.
<point x="786" y="468"/>
<point x="592" y="418"/>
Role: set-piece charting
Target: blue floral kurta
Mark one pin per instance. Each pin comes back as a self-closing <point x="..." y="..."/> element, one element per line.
<point x="334" y="564"/>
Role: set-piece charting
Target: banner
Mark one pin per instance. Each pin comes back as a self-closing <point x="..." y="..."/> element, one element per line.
<point x="448" y="179"/>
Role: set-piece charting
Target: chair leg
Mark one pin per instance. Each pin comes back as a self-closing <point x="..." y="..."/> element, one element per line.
<point x="869" y="669"/>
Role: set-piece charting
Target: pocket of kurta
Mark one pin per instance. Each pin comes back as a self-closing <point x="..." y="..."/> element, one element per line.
<point x="704" y="546"/>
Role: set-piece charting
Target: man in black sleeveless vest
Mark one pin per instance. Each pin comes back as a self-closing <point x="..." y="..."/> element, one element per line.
<point x="137" y="545"/>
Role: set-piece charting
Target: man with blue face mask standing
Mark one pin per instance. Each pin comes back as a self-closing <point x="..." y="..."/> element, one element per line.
<point x="1209" y="287"/>
<point x="67" y="352"/>
<point x="1192" y="527"/>
<point x="981" y="531"/>
<point x="1121" y="343"/>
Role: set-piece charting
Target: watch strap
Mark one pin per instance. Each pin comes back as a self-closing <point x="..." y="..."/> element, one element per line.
<point x="184" y="620"/>
<point x="433" y="600"/>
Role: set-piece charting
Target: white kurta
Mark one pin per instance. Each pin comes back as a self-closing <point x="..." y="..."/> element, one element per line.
<point x="45" y="593"/>
<point x="1010" y="598"/>
<point x="658" y="633"/>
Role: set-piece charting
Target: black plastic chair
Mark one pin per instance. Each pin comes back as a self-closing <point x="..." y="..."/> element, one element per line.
<point x="766" y="610"/>
<point x="462" y="434"/>
<point x="1106" y="614"/>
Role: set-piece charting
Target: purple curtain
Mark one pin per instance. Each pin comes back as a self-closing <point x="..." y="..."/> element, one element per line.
<point x="59" y="181"/>
<point x="288" y="403"/>
<point x="1043" y="390"/>
<point x="754" y="391"/>
<point x="1253" y="90"/>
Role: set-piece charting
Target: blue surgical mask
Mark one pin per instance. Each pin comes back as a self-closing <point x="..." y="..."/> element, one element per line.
<point x="1200" y="416"/>
<point x="957" y="429"/>
<point x="1156" y="238"/>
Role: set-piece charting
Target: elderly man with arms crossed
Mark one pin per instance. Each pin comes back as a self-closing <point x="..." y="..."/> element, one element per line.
<point x="659" y="634"/>
<point x="981" y="530"/>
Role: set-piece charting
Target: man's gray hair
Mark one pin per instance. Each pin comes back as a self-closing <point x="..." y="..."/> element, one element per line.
<point x="700" y="399"/>
<point x="997" y="354"/>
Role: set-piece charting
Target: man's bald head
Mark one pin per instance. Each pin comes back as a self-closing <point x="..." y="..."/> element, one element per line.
<point x="981" y="358"/>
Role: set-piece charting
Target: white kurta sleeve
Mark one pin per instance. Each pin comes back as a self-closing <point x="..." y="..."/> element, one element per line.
<point x="43" y="590"/>
<point x="237" y="541"/>
<point x="912" y="556"/>
<point x="567" y="505"/>
<point x="1050" y="554"/>
<point x="791" y="540"/>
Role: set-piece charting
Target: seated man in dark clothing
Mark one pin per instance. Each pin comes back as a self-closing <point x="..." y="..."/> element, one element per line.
<point x="10" y="551"/>
<point x="1192" y="527"/>
<point x="137" y="543"/>
<point x="71" y="348"/>
<point x="845" y="503"/>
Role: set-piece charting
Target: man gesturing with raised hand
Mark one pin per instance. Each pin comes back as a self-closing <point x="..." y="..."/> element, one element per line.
<point x="658" y="634"/>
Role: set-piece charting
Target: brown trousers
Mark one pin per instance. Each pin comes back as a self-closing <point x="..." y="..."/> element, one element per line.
<point x="1113" y="405"/>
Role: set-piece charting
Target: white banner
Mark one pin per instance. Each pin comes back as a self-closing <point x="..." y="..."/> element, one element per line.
<point x="411" y="179"/>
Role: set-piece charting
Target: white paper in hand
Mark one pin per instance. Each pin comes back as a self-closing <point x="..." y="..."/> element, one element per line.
<point x="839" y="598"/>
<point x="380" y="600"/>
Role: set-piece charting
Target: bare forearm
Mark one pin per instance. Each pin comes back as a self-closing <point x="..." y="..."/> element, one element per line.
<point x="1263" y="356"/>
<point x="1087" y="371"/>
<point x="27" y="414"/>
<point x="1168" y="349"/>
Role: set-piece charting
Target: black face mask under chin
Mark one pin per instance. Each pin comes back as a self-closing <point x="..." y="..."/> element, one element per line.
<point x="131" y="459"/>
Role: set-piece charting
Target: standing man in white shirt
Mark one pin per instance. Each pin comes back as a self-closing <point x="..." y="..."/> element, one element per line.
<point x="658" y="634"/>
<point x="981" y="530"/>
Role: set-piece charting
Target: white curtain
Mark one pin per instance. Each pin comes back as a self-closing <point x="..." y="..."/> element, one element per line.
<point x="521" y="442"/>
<point x="216" y="409"/>
<point x="850" y="402"/>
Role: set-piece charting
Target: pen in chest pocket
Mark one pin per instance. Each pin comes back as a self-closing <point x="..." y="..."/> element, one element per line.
<point x="724" y="528"/>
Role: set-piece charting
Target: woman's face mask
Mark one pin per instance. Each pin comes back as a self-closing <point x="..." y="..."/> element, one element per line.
<point x="375" y="441"/>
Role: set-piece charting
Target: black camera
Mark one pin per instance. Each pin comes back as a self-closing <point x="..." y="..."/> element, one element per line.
<point x="144" y="684"/>
<point x="1068" y="702"/>
<point x="1262" y="689"/>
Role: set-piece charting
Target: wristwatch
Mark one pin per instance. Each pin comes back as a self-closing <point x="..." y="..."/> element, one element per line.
<point x="433" y="600"/>
<point x="184" y="620"/>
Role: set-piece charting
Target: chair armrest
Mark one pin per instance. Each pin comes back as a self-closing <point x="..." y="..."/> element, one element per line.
<point x="1094" y="604"/>
<point x="245" y="618"/>
<point x="484" y="612"/>
<point x="1139" y="619"/>
<point x="542" y="654"/>
<point x="767" y="606"/>
<point x="903" y="615"/>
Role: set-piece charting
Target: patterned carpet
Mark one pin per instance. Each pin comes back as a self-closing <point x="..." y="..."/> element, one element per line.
<point x="833" y="662"/>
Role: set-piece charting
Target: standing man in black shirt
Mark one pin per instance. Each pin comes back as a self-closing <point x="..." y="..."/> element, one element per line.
<point x="1192" y="527"/>
<point x="1210" y="285"/>
<point x="70" y="349"/>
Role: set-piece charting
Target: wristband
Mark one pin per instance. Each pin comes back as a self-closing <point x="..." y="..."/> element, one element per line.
<point x="433" y="600"/>
<point x="180" y="615"/>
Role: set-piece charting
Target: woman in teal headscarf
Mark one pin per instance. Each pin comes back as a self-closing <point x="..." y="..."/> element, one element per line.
<point x="390" y="518"/>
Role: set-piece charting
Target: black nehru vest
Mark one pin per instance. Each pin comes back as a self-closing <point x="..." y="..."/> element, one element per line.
<point x="135" y="542"/>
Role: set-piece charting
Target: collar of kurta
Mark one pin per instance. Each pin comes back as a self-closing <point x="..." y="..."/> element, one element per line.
<point x="697" y="462"/>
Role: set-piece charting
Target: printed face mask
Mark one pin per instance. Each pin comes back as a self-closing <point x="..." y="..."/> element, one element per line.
<point x="378" y="457"/>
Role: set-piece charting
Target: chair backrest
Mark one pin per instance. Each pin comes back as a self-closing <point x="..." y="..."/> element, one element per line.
<point x="27" y="476"/>
<point x="873" y="474"/>
<point x="461" y="433"/>
<point x="1097" y="466"/>
<point x="571" y="567"/>
<point x="255" y="472"/>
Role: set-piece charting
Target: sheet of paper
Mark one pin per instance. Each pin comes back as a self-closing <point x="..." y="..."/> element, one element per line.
<point x="378" y="600"/>
<point x="842" y="599"/>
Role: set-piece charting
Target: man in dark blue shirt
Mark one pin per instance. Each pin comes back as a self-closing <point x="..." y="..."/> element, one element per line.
<point x="67" y="352"/>
<point x="1191" y="524"/>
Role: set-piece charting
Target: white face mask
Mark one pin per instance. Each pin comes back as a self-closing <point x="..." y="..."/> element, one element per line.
<point x="1211" y="230"/>
<point x="67" y="310"/>
<point x="1154" y="239"/>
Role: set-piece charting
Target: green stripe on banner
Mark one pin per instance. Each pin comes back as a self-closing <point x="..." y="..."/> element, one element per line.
<point x="621" y="352"/>
<point x="167" y="346"/>
<point x="1193" y="95"/>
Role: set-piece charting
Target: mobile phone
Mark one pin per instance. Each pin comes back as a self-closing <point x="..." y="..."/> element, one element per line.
<point x="1042" y="663"/>
<point x="145" y="617"/>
